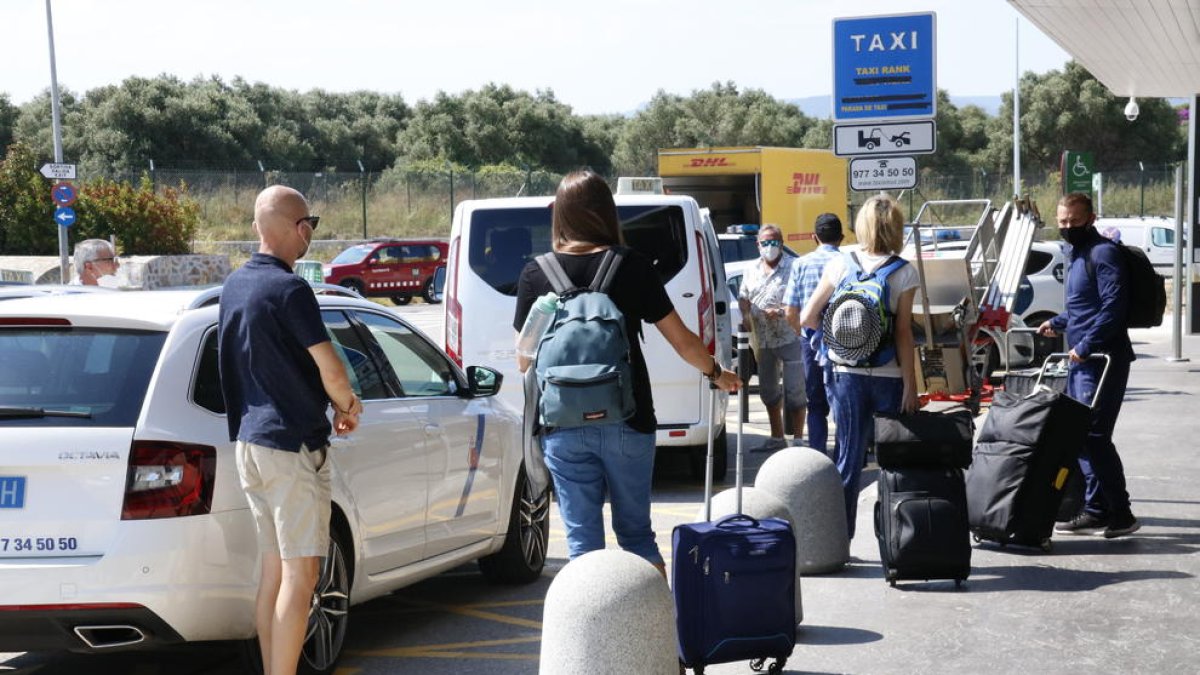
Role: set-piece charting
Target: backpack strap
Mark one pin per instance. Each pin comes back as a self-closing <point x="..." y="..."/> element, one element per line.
<point x="555" y="273"/>
<point x="607" y="271"/>
<point x="890" y="265"/>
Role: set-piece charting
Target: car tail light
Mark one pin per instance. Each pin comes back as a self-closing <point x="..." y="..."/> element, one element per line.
<point x="704" y="306"/>
<point x="453" y="308"/>
<point x="168" y="479"/>
<point x="32" y="321"/>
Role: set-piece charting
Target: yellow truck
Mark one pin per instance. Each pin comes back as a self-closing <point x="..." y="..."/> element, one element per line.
<point x="789" y="187"/>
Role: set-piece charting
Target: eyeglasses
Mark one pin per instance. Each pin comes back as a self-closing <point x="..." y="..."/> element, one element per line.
<point x="112" y="259"/>
<point x="769" y="242"/>
<point x="311" y="221"/>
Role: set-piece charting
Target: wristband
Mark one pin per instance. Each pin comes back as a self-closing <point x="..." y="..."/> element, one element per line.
<point x="715" y="372"/>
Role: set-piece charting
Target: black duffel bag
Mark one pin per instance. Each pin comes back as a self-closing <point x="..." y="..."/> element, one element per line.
<point x="924" y="439"/>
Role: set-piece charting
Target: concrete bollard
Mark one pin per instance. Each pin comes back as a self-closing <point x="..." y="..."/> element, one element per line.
<point x="809" y="484"/>
<point x="609" y="611"/>
<point x="756" y="503"/>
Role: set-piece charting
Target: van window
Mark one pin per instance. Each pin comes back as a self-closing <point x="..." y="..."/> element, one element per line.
<point x="1161" y="236"/>
<point x="503" y="241"/>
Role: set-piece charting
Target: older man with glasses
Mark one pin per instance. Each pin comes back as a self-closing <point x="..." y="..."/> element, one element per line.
<point x="95" y="259"/>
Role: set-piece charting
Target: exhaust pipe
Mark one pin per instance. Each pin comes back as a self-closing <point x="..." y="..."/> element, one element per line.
<point x="105" y="637"/>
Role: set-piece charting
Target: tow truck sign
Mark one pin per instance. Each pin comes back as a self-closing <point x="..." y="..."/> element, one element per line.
<point x="884" y="138"/>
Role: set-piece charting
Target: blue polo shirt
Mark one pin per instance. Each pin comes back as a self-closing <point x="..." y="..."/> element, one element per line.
<point x="1097" y="300"/>
<point x="269" y="317"/>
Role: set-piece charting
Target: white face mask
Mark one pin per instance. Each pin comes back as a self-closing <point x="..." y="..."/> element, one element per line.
<point x="771" y="253"/>
<point x="108" y="281"/>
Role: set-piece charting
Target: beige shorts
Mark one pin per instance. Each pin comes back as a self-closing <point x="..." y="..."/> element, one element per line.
<point x="289" y="496"/>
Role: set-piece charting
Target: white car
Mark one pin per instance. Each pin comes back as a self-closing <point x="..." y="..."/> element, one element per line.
<point x="1154" y="236"/>
<point x="122" y="521"/>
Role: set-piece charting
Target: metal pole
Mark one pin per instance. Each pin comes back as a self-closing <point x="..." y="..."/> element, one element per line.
<point x="363" y="175"/>
<point x="1142" y="187"/>
<point x="1017" y="110"/>
<point x="55" y="116"/>
<point x="1177" y="275"/>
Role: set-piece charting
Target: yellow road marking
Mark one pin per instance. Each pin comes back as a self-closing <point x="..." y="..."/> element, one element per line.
<point x="455" y="650"/>
<point x="478" y="614"/>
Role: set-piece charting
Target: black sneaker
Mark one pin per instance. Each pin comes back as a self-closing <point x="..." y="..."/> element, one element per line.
<point x="1121" y="526"/>
<point x="1084" y="523"/>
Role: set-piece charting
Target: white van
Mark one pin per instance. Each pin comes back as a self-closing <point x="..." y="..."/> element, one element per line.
<point x="1155" y="236"/>
<point x="492" y="240"/>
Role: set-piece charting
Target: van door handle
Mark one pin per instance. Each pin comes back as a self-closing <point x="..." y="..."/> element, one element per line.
<point x="720" y="308"/>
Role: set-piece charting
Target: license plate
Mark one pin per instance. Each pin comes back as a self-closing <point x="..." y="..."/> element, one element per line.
<point x="12" y="492"/>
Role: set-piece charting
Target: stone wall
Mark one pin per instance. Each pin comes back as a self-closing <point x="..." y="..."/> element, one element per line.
<point x="142" y="272"/>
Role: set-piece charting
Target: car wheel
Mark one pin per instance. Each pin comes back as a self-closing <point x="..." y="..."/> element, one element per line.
<point x="327" y="617"/>
<point x="428" y="294"/>
<point x="985" y="359"/>
<point x="354" y="285"/>
<point x="699" y="457"/>
<point x="523" y="556"/>
<point x="402" y="298"/>
<point x="330" y="611"/>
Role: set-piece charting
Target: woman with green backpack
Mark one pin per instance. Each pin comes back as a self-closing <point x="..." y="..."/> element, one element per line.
<point x="863" y="306"/>
<point x="597" y="445"/>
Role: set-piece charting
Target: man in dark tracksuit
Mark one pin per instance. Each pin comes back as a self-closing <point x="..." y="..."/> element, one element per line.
<point x="1097" y="302"/>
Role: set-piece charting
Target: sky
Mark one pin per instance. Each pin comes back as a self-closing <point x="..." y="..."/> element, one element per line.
<point x="607" y="57"/>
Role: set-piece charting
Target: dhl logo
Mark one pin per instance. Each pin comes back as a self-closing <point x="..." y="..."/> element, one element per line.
<point x="806" y="184"/>
<point x="699" y="162"/>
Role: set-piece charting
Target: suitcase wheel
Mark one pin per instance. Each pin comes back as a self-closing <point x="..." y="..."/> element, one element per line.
<point x="977" y="539"/>
<point x="775" y="668"/>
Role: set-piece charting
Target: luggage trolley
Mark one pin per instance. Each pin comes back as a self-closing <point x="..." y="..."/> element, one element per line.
<point x="966" y="293"/>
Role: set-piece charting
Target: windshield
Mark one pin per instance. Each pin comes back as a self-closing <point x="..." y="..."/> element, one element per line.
<point x="352" y="255"/>
<point x="503" y="241"/>
<point x="100" y="375"/>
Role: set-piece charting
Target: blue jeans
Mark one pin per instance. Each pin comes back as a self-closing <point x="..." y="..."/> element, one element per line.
<point x="818" y="400"/>
<point x="1103" y="471"/>
<point x="855" y="400"/>
<point x="586" y="463"/>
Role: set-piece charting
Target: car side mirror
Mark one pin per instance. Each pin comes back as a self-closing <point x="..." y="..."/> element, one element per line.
<point x="484" y="381"/>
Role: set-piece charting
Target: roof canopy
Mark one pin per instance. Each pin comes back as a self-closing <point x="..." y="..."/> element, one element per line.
<point x="1144" y="48"/>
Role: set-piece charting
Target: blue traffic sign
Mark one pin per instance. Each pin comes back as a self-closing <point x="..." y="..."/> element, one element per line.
<point x="884" y="67"/>
<point x="64" y="216"/>
<point x="63" y="194"/>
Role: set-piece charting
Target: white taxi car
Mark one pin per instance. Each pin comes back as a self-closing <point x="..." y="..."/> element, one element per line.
<point x="122" y="522"/>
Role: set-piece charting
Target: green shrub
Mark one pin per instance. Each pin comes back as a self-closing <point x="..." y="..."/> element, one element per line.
<point x="144" y="221"/>
<point x="26" y="213"/>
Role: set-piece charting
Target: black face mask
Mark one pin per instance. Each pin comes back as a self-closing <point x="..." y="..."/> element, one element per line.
<point x="1077" y="235"/>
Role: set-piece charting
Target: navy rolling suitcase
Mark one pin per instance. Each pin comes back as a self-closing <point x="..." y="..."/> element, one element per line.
<point x="734" y="582"/>
<point x="1023" y="462"/>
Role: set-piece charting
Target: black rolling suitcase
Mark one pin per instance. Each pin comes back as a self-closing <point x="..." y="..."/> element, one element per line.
<point x="1026" y="453"/>
<point x="921" y="512"/>
<point x="734" y="582"/>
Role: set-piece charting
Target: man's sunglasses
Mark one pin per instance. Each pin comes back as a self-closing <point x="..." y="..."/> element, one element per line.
<point x="769" y="242"/>
<point x="310" y="220"/>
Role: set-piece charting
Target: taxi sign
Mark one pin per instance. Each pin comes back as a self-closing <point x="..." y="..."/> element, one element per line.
<point x="639" y="186"/>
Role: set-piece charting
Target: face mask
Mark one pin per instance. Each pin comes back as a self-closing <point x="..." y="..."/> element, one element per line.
<point x="771" y="253"/>
<point x="1076" y="235"/>
<point x="108" y="281"/>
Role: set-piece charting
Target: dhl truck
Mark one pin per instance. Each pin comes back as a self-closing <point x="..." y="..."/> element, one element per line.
<point x="789" y="187"/>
